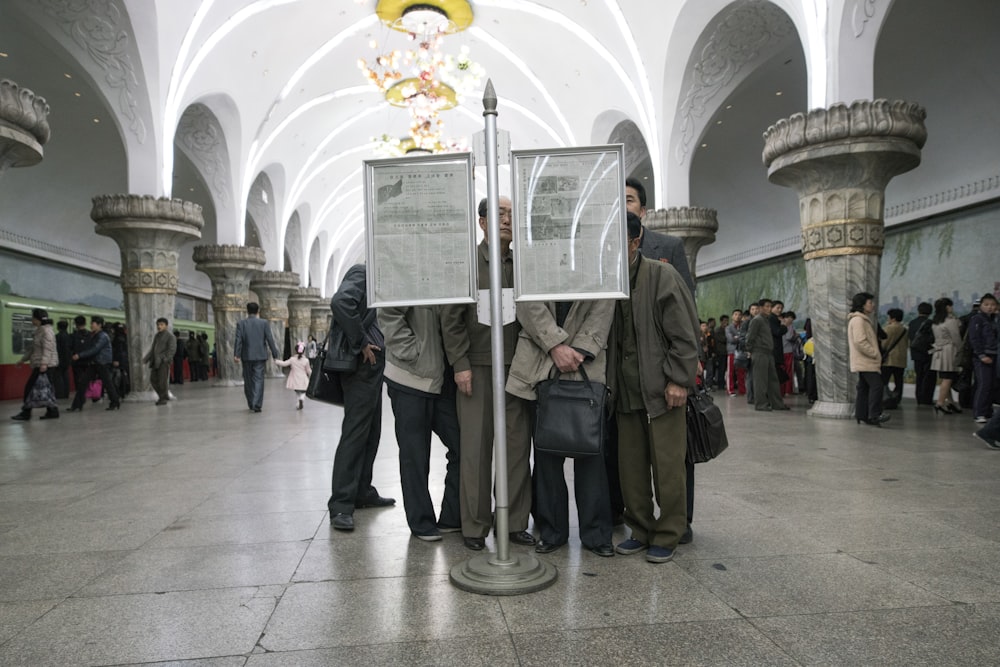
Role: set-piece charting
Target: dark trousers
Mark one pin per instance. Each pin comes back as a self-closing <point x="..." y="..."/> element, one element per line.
<point x="654" y="449"/>
<point x="359" y="437"/>
<point x="991" y="430"/>
<point x="766" y="389"/>
<point x="812" y="392"/>
<point x="159" y="377"/>
<point x="93" y="372"/>
<point x="253" y="383"/>
<point x="60" y="381"/>
<point x="985" y="374"/>
<point x="925" y="380"/>
<point x="417" y="415"/>
<point x="590" y="488"/>
<point x="895" y="374"/>
<point x="178" y="370"/>
<point x="617" y="504"/>
<point x="868" y="402"/>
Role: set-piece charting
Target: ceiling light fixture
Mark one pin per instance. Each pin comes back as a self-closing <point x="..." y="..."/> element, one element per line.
<point x="423" y="17"/>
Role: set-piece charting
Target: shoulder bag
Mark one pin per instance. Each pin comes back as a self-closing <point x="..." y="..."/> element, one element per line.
<point x="324" y="384"/>
<point x="706" y="433"/>
<point x="571" y="416"/>
<point x="338" y="355"/>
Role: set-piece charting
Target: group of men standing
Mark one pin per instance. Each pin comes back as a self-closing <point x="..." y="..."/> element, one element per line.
<point x="437" y="363"/>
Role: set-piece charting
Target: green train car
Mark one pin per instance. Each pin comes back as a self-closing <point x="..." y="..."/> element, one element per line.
<point x="17" y="331"/>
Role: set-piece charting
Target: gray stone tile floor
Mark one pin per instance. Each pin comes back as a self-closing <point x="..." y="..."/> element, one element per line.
<point x="197" y="534"/>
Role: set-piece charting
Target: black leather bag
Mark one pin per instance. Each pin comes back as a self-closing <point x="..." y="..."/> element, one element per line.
<point x="324" y="385"/>
<point x="338" y="354"/>
<point x="571" y="416"/>
<point x="706" y="432"/>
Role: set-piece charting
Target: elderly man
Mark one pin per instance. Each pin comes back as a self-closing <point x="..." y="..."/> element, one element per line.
<point x="469" y="350"/>
<point x="653" y="364"/>
<point x="760" y="347"/>
<point x="565" y="335"/>
<point x="159" y="358"/>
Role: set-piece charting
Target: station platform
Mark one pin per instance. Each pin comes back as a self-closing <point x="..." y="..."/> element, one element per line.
<point x="196" y="533"/>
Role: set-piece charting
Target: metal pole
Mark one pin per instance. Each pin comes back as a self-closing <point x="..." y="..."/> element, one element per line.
<point x="496" y="326"/>
<point x="504" y="573"/>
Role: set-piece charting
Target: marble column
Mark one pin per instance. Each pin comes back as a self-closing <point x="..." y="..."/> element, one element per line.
<point x="319" y="324"/>
<point x="24" y="126"/>
<point x="300" y="303"/>
<point x="696" y="226"/>
<point x="230" y="268"/>
<point x="839" y="161"/>
<point x="149" y="232"/>
<point x="273" y="288"/>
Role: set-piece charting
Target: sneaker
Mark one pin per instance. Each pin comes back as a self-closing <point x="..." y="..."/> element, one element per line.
<point x="448" y="529"/>
<point x="992" y="444"/>
<point x="629" y="547"/>
<point x="431" y="537"/>
<point x="657" y="554"/>
<point x="981" y="420"/>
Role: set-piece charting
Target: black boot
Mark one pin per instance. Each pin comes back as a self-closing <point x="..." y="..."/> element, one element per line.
<point x="51" y="413"/>
<point x="22" y="416"/>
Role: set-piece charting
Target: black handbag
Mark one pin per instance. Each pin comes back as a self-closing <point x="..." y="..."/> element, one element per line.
<point x="338" y="354"/>
<point x="706" y="433"/>
<point x="571" y="416"/>
<point x="324" y="385"/>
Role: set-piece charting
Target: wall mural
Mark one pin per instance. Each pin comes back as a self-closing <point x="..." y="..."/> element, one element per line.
<point x="953" y="255"/>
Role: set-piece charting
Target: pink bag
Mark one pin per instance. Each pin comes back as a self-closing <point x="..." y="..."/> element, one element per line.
<point x="94" y="390"/>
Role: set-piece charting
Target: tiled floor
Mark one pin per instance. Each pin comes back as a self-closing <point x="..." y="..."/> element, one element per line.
<point x="196" y="533"/>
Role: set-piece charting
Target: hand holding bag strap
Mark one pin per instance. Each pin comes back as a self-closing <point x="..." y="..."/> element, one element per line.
<point x="570" y="416"/>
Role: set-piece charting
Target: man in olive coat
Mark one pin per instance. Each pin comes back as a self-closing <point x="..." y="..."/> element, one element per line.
<point x="159" y="358"/>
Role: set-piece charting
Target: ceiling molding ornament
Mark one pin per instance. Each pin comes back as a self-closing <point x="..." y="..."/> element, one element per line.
<point x="978" y="190"/>
<point x="22" y="108"/>
<point x="862" y="12"/>
<point x="745" y="30"/>
<point x="201" y="137"/>
<point x="102" y="29"/>
<point x="864" y="118"/>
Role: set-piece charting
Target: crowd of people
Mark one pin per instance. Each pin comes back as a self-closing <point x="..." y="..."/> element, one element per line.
<point x="93" y="360"/>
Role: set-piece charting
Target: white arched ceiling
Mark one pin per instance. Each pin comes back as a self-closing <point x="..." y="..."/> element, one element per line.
<point x="315" y="277"/>
<point x="293" y="245"/>
<point x="260" y="209"/>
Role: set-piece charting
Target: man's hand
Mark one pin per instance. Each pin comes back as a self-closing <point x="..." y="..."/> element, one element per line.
<point x="368" y="353"/>
<point x="464" y="381"/>
<point x="986" y="359"/>
<point x="76" y="357"/>
<point x="43" y="368"/>
<point x="566" y="358"/>
<point x="676" y="395"/>
<point x="237" y="359"/>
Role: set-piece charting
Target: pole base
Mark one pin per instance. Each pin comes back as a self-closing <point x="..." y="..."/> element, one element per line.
<point x="486" y="574"/>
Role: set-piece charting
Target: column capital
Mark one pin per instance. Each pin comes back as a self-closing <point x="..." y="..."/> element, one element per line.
<point x="695" y="225"/>
<point x="230" y="268"/>
<point x="273" y="288"/>
<point x="24" y="126"/>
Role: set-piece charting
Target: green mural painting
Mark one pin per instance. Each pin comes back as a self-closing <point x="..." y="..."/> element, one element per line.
<point x="783" y="279"/>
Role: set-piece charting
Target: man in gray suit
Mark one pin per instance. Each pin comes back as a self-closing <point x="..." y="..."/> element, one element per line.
<point x="253" y="340"/>
<point x="159" y="358"/>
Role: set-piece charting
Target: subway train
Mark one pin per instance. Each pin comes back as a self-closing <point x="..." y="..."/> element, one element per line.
<point x="17" y="332"/>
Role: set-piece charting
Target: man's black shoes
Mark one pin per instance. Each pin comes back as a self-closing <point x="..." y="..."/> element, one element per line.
<point x="475" y="543"/>
<point x="374" y="500"/>
<point x="342" y="521"/>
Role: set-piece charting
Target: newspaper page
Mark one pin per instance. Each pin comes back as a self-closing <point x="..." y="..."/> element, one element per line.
<point x="569" y="224"/>
<point x="421" y="236"/>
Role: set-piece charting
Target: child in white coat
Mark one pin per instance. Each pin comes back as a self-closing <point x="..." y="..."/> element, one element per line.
<point x="298" y="377"/>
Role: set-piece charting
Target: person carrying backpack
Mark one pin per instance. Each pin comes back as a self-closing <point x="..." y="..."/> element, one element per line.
<point x="921" y="337"/>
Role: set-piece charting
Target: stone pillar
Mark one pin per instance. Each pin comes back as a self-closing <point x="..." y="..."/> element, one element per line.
<point x="319" y="324"/>
<point x="23" y="126"/>
<point x="273" y="288"/>
<point x="695" y="225"/>
<point x="300" y="303"/>
<point x="149" y="232"/>
<point x="839" y="161"/>
<point x="230" y="267"/>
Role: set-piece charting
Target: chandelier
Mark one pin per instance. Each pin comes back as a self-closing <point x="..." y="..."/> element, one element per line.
<point x="422" y="79"/>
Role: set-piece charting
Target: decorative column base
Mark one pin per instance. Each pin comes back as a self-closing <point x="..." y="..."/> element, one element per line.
<point x="150" y="233"/>
<point x="839" y="161"/>
<point x="695" y="225"/>
<point x="230" y="268"/>
<point x="23" y="126"/>
<point x="273" y="288"/>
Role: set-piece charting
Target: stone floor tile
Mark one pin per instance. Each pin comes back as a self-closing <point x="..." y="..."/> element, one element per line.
<point x="238" y="529"/>
<point x="487" y="651"/>
<point x="16" y="616"/>
<point x="42" y="576"/>
<point x="958" y="574"/>
<point x="66" y="535"/>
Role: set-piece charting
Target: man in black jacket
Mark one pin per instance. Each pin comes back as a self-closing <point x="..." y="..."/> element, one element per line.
<point x="919" y="331"/>
<point x="361" y="430"/>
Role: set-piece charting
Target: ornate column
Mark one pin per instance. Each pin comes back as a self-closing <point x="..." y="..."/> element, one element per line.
<point x="23" y="126"/>
<point x="230" y="267"/>
<point x="273" y="288"/>
<point x="150" y="233"/>
<point x="300" y="303"/>
<point x="839" y="161"/>
<point x="319" y="324"/>
<point x="695" y="225"/>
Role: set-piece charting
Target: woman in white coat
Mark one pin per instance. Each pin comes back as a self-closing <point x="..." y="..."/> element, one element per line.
<point x="944" y="353"/>
<point x="298" y="376"/>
